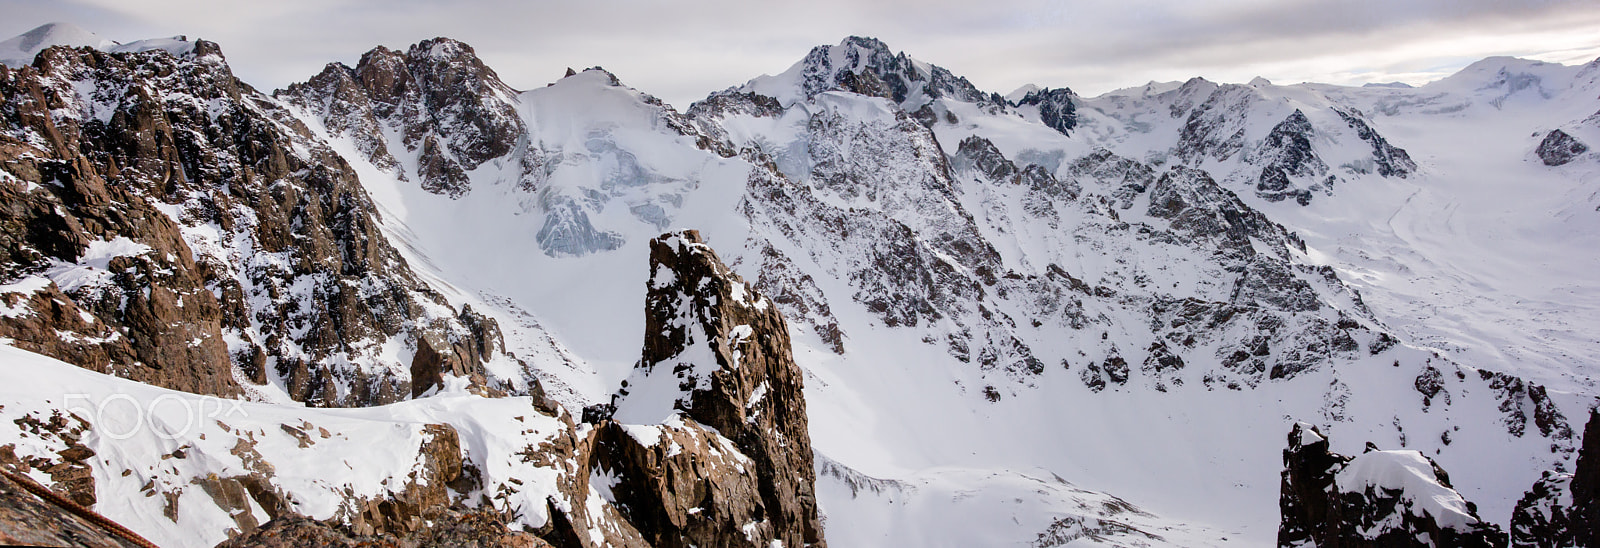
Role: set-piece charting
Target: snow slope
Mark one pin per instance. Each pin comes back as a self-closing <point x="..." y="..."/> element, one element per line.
<point x="155" y="448"/>
<point x="20" y="50"/>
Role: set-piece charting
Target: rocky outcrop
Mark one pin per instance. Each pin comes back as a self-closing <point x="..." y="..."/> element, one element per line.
<point x="449" y="109"/>
<point x="730" y="463"/>
<point x="1286" y="153"/>
<point x="1056" y="108"/>
<point x="169" y="224"/>
<point x="1563" y="509"/>
<point x="1380" y="498"/>
<point x="1559" y="148"/>
<point x="867" y="66"/>
<point x="1214" y="129"/>
<point x="1391" y="161"/>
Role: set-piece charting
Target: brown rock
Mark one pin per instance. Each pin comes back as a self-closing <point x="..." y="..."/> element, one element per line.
<point x="155" y="142"/>
<point x="752" y="395"/>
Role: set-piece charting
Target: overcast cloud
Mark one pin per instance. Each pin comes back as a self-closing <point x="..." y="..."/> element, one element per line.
<point x="680" y="51"/>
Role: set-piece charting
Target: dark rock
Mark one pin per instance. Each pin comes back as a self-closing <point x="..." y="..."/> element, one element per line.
<point x="1286" y="153"/>
<point x="1430" y="383"/>
<point x="1558" y="148"/>
<point x="1215" y="127"/>
<point x="1056" y="108"/>
<point x="1391" y="161"/>
<point x="438" y="95"/>
<point x="1563" y="509"/>
<point x="869" y="68"/>
<point x="482" y="528"/>
<point x="1516" y="397"/>
<point x="1320" y="505"/>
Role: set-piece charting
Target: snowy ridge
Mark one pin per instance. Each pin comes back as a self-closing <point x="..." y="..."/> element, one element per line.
<point x="1407" y="472"/>
<point x="20" y="51"/>
<point x="158" y="454"/>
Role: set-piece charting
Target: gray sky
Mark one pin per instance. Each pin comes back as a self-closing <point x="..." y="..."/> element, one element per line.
<point x="680" y="51"/>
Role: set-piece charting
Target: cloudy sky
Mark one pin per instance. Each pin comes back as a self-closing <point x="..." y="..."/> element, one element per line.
<point x="682" y="50"/>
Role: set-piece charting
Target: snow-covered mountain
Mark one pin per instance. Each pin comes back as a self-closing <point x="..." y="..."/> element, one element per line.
<point x="1027" y="319"/>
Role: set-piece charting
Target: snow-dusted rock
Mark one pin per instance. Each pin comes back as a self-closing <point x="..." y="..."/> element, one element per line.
<point x="713" y="446"/>
<point x="1558" y="148"/>
<point x="450" y="112"/>
<point x="1380" y="498"/>
<point x="1563" y="508"/>
<point x="189" y="232"/>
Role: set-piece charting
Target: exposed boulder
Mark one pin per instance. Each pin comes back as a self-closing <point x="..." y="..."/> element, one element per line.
<point x="1558" y="148"/>
<point x="731" y="463"/>
<point x="1379" y="498"/>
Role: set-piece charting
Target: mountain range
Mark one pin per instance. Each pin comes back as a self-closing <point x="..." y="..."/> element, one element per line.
<point x="404" y="294"/>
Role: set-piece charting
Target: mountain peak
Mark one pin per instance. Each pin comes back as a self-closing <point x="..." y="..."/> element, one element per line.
<point x="1016" y="95"/>
<point x="21" y="49"/>
<point x="867" y="66"/>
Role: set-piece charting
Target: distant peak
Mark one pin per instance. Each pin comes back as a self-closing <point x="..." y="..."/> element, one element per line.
<point x="1259" y="81"/>
<point x="33" y="38"/>
<point x="1017" y="95"/>
<point x="21" y="50"/>
<point x="865" y="42"/>
<point x="610" y="78"/>
<point x="442" y="48"/>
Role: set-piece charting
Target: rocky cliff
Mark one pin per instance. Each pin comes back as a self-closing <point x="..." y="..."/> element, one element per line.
<point x="170" y="224"/>
<point x="1380" y="498"/>
<point x="1563" y="508"/>
<point x="730" y="463"/>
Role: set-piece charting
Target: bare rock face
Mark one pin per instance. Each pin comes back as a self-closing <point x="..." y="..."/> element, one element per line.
<point x="731" y="464"/>
<point x="166" y="223"/>
<point x="1056" y="108"/>
<point x="870" y="68"/>
<point x="1559" y="148"/>
<point x="446" y="105"/>
<point x="1563" y="509"/>
<point x="1381" y="498"/>
<point x="1287" y="152"/>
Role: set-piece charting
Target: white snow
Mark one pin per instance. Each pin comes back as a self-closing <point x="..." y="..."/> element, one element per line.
<point x="20" y="50"/>
<point x="366" y="453"/>
<point x="92" y="267"/>
<point x="1411" y="474"/>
